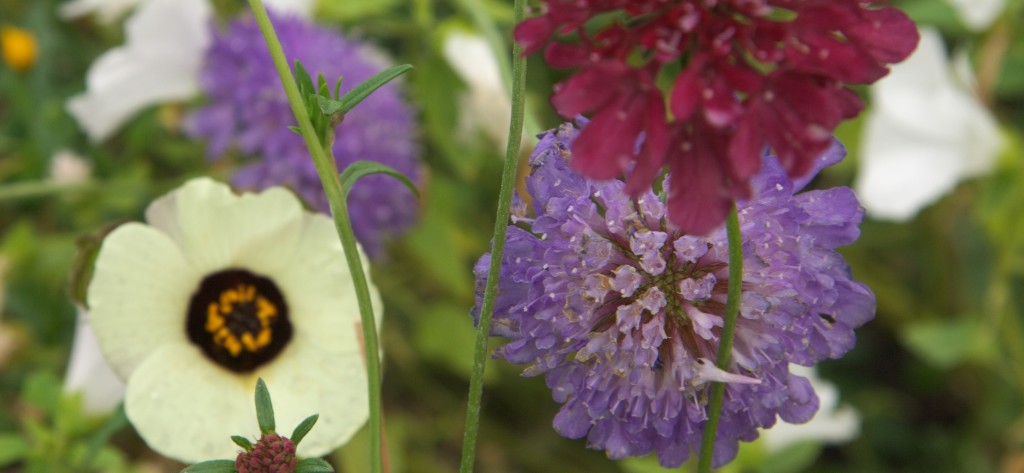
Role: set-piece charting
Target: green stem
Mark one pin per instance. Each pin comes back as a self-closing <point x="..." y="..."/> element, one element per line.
<point x="508" y="175"/>
<point x="732" y="309"/>
<point x="30" y="189"/>
<point x="328" y="172"/>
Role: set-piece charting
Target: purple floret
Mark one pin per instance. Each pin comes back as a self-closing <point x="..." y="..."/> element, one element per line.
<point x="621" y="312"/>
<point x="248" y="109"/>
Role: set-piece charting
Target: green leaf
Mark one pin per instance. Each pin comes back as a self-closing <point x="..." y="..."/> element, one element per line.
<point x="242" y="442"/>
<point x="264" y="408"/>
<point x="302" y="78"/>
<point x="327" y="106"/>
<point x="13" y="448"/>
<point x="313" y="465"/>
<point x="117" y="421"/>
<point x="947" y="343"/>
<point x="363" y="90"/>
<point x="212" y="466"/>
<point x="359" y="169"/>
<point x="303" y="428"/>
<point x="295" y="130"/>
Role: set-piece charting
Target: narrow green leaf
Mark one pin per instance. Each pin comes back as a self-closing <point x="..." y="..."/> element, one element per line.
<point x="313" y="465"/>
<point x="295" y="129"/>
<point x="361" y="91"/>
<point x="117" y="421"/>
<point x="212" y="466"/>
<point x="264" y="408"/>
<point x="337" y="87"/>
<point x="321" y="86"/>
<point x="327" y="106"/>
<point x="358" y="169"/>
<point x="303" y="428"/>
<point x="303" y="79"/>
<point x="242" y="442"/>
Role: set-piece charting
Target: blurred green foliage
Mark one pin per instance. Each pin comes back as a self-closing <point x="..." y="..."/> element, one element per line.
<point x="938" y="377"/>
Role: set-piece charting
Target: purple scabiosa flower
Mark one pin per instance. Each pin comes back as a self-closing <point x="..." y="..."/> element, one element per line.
<point x="621" y="311"/>
<point x="248" y="108"/>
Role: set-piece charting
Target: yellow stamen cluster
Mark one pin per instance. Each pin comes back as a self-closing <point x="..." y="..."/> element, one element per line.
<point x="19" y="47"/>
<point x="216" y="322"/>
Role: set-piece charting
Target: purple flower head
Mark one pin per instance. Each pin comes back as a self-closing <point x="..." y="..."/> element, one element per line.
<point x="621" y="311"/>
<point x="248" y="109"/>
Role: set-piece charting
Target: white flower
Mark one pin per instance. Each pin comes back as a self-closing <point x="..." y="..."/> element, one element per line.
<point x="831" y="424"/>
<point x="487" y="106"/>
<point x="107" y="11"/>
<point x="924" y="133"/>
<point x="220" y="289"/>
<point x="89" y="374"/>
<point x="159" y="62"/>
<point x="69" y="167"/>
<point x="165" y="41"/>
<point x="978" y="14"/>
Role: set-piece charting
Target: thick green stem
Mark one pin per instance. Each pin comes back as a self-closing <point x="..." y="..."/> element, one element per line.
<point x="732" y="309"/>
<point x="328" y="173"/>
<point x="508" y="175"/>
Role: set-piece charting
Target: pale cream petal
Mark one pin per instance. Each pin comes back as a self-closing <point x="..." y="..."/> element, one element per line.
<point x="218" y="229"/>
<point x="307" y="380"/>
<point x="89" y="373"/>
<point x="187" y="408"/>
<point x="318" y="289"/>
<point x="139" y="294"/>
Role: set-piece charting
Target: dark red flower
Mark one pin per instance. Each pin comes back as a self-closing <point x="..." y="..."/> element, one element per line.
<point x="754" y="73"/>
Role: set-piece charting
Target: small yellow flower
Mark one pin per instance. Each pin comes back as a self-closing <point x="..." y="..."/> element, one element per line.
<point x="19" y="47"/>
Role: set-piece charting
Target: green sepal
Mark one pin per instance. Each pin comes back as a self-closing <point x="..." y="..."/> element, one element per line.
<point x="212" y="466"/>
<point x="303" y="428"/>
<point x="358" y="169"/>
<point x="242" y="442"/>
<point x="264" y="408"/>
<point x="296" y="130"/>
<point x="313" y="465"/>
<point x="363" y="90"/>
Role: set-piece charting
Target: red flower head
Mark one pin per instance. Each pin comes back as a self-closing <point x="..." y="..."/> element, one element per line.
<point x="755" y="73"/>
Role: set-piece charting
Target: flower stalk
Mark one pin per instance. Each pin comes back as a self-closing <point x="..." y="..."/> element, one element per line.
<point x="508" y="175"/>
<point x="328" y="172"/>
<point x="732" y="308"/>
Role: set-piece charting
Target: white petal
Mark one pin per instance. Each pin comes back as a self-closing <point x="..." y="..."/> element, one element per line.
<point x="829" y="425"/>
<point x="88" y="372"/>
<point x="218" y="229"/>
<point x="318" y="289"/>
<point x="159" y="62"/>
<point x="923" y="135"/>
<point x="300" y="8"/>
<point x="487" y="105"/>
<point x="139" y="294"/>
<point x="308" y="380"/>
<point x="978" y="14"/>
<point x="187" y="408"/>
<point x="107" y="10"/>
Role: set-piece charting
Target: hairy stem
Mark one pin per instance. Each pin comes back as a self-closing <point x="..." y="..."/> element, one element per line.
<point x="732" y="309"/>
<point x="508" y="175"/>
<point x="328" y="172"/>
